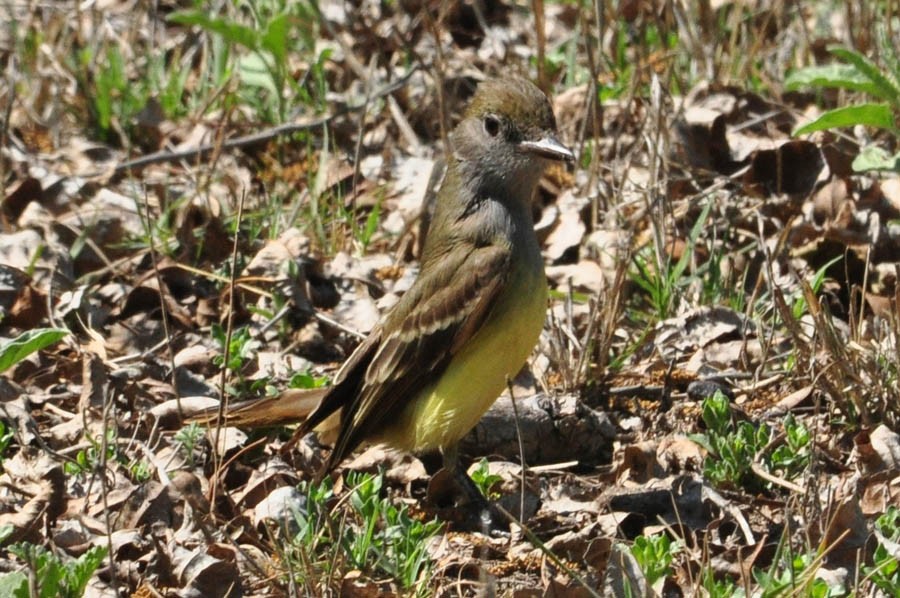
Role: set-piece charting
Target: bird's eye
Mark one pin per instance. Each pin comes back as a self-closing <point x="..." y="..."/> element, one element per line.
<point x="492" y="125"/>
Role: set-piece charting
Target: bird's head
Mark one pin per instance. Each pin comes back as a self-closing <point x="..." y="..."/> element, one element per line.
<point x="508" y="135"/>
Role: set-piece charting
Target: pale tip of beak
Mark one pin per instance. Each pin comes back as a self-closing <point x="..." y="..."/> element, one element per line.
<point x="548" y="147"/>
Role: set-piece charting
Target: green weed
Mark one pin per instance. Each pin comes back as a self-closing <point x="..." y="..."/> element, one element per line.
<point x="373" y="535"/>
<point x="274" y="31"/>
<point x="48" y="575"/>
<point x="655" y="555"/>
<point x="241" y="348"/>
<point x="485" y="480"/>
<point x="734" y="448"/>
<point x="91" y="458"/>
<point x="188" y="438"/>
<point x="884" y="573"/>
<point x="662" y="281"/>
<point x="857" y="72"/>
<point x="6" y="437"/>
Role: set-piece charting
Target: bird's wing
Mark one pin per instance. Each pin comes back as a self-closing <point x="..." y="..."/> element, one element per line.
<point x="432" y="322"/>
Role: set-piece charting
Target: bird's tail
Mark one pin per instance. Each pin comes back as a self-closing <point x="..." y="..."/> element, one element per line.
<point x="290" y="407"/>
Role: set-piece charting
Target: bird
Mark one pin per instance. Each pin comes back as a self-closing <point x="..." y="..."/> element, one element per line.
<point x="441" y="356"/>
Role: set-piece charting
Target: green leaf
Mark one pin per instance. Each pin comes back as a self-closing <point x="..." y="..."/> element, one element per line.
<point x="275" y="38"/>
<point x="229" y="30"/>
<point x="51" y="574"/>
<point x="14" y="584"/>
<point x="307" y="380"/>
<point x="840" y="76"/>
<point x="5" y="532"/>
<point x="703" y="441"/>
<point x="15" y="350"/>
<point x="872" y="115"/>
<point x="79" y="573"/>
<point x="255" y="71"/>
<point x="884" y="87"/>
<point x="873" y="157"/>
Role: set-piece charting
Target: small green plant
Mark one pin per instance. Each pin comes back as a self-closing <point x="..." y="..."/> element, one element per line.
<point x="275" y="31"/>
<point x="791" y="573"/>
<point x="389" y="540"/>
<point x="113" y="100"/>
<point x="372" y="535"/>
<point x="88" y="460"/>
<point x="719" y="286"/>
<point x="662" y="281"/>
<point x="5" y="532"/>
<point x="168" y="78"/>
<point x="856" y="72"/>
<point x="799" y="307"/>
<point x="485" y="480"/>
<point x="794" y="574"/>
<point x="307" y="380"/>
<point x="313" y="518"/>
<point x="159" y="232"/>
<point x="48" y="575"/>
<point x="655" y="554"/>
<point x="140" y="471"/>
<point x="884" y="573"/>
<point x="791" y="459"/>
<point x="365" y="233"/>
<point x="626" y="68"/>
<point x="733" y="448"/>
<point x="118" y="83"/>
<point x="188" y="437"/>
<point x="241" y="349"/>
<point x="718" y="588"/>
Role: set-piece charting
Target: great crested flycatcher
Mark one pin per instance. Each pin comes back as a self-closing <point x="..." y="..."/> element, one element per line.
<point x="440" y="357"/>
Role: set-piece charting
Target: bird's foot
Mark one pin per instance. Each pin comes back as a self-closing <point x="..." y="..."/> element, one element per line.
<point x="458" y="501"/>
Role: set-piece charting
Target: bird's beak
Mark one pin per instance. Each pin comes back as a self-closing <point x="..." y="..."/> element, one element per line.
<point x="548" y="147"/>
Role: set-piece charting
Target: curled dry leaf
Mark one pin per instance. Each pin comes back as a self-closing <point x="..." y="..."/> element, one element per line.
<point x="678" y="454"/>
<point x="569" y="229"/>
<point x="356" y="585"/>
<point x="793" y="168"/>
<point x="279" y="507"/>
<point x="584" y="277"/>
<point x="204" y="576"/>
<point x="639" y="463"/>
<point x="878" y="450"/>
<point x="272" y="473"/>
<point x="398" y="467"/>
<point x="879" y="492"/>
<point x="45" y="482"/>
<point x="706" y="329"/>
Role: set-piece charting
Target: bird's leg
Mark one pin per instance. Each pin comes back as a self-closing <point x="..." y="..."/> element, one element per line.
<point x="464" y="484"/>
<point x="471" y="505"/>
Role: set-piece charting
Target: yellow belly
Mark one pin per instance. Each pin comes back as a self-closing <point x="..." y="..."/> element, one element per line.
<point x="445" y="411"/>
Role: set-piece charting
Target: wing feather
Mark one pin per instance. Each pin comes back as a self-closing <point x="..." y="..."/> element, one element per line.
<point x="430" y="324"/>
